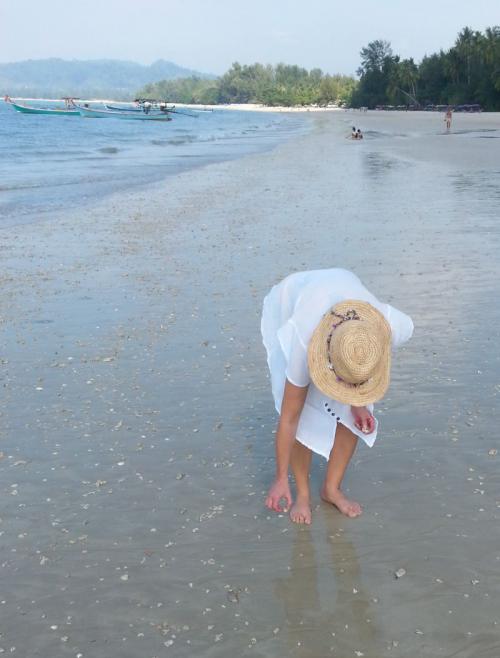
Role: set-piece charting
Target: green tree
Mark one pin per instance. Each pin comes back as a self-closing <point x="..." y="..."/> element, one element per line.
<point x="282" y="84"/>
<point x="469" y="72"/>
<point x="377" y="74"/>
<point x="373" y="56"/>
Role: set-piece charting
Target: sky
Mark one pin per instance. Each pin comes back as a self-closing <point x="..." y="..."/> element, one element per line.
<point x="209" y="35"/>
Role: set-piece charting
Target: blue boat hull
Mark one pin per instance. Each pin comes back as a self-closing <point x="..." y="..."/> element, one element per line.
<point x="90" y="113"/>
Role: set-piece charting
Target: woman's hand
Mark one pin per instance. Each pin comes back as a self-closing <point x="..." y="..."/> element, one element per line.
<point x="279" y="489"/>
<point x="363" y="419"/>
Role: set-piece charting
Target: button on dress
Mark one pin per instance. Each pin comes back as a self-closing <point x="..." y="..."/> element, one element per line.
<point x="290" y="314"/>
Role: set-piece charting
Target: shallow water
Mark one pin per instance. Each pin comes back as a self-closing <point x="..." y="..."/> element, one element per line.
<point x="51" y="163"/>
<point x="138" y="423"/>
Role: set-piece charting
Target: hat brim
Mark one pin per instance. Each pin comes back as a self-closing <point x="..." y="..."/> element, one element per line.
<point x="327" y="381"/>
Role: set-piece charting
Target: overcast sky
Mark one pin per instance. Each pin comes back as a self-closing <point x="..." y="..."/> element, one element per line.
<point x="208" y="35"/>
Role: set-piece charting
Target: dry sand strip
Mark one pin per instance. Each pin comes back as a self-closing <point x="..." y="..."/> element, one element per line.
<point x="137" y="424"/>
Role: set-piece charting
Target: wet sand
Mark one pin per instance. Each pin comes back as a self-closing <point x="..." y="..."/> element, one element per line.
<point x="136" y="444"/>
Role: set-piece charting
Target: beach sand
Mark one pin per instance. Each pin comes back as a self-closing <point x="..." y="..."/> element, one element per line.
<point x="137" y="418"/>
<point x="258" y="107"/>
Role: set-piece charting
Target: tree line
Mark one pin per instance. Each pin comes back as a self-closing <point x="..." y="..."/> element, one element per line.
<point x="467" y="73"/>
<point x="269" y="85"/>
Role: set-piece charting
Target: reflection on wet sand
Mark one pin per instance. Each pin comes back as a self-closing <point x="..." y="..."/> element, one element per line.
<point x="326" y="606"/>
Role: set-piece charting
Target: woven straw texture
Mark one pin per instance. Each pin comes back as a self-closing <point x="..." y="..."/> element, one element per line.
<point x="359" y="352"/>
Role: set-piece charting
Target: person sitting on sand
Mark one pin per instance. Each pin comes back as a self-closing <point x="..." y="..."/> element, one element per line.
<point x="328" y="343"/>
<point x="359" y="134"/>
<point x="354" y="134"/>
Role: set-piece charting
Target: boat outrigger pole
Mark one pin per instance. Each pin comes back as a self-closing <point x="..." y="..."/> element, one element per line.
<point x="412" y="98"/>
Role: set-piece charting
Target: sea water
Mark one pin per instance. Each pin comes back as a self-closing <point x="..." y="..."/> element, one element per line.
<point x="52" y="163"/>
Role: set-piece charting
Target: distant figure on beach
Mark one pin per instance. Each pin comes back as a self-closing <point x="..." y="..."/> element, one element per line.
<point x="147" y="107"/>
<point x="448" y="118"/>
<point x="328" y="342"/>
<point x="359" y="134"/>
<point x="354" y="134"/>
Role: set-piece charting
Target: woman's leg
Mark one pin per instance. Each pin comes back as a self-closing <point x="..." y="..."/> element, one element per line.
<point x="300" y="462"/>
<point x="340" y="456"/>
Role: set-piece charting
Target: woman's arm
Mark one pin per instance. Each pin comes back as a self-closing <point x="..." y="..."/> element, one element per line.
<point x="291" y="408"/>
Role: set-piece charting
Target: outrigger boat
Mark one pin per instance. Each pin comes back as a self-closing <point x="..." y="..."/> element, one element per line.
<point x="115" y="108"/>
<point x="185" y="109"/>
<point x="68" y="110"/>
<point x="153" y="107"/>
<point x="91" y="113"/>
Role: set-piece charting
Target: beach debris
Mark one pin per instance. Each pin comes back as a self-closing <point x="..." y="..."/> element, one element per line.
<point x="180" y="476"/>
<point x="399" y="573"/>
<point x="124" y="577"/>
<point x="233" y="595"/>
<point x="493" y="452"/>
<point x="418" y="632"/>
<point x="213" y="511"/>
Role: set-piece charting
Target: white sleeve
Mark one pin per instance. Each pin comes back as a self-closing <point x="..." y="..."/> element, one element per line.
<point x="401" y="326"/>
<point x="295" y="352"/>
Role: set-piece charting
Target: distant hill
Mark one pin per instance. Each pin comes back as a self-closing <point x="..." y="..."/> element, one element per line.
<point x="90" y="78"/>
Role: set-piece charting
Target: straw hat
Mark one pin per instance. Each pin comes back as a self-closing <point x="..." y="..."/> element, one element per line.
<point x="349" y="354"/>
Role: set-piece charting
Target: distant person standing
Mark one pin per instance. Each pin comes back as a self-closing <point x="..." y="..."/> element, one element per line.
<point x="354" y="134"/>
<point x="448" y="118"/>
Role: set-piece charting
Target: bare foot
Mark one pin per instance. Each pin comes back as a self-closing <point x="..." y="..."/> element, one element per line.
<point x="363" y="419"/>
<point x="300" y="511"/>
<point x="348" y="507"/>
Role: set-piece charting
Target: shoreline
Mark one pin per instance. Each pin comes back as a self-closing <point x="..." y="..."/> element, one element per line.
<point x="257" y="107"/>
<point x="242" y="107"/>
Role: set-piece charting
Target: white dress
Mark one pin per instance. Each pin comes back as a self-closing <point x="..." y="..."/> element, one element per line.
<point x="291" y="312"/>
